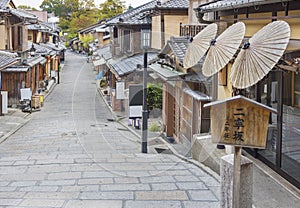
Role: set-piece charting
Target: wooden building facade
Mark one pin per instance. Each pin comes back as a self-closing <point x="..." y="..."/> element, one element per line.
<point x="279" y="89"/>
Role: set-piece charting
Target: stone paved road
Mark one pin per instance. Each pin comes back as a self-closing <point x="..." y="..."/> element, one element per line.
<point x="69" y="155"/>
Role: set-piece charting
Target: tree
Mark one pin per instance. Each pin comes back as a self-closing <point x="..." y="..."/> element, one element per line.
<point x="52" y="6"/>
<point x="86" y="40"/>
<point x="25" y="7"/>
<point x="111" y="8"/>
<point x="81" y="22"/>
<point x="77" y="14"/>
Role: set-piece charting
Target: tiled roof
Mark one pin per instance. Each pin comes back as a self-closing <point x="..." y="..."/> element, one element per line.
<point x="38" y="27"/>
<point x="4" y="4"/>
<point x="178" y="46"/>
<point x="197" y="95"/>
<point x="132" y="12"/>
<point x="141" y="14"/>
<point x="23" y="14"/>
<point x="53" y="47"/>
<point x="51" y="26"/>
<point x="16" y="69"/>
<point x="234" y="4"/>
<point x="7" y="59"/>
<point x="105" y="52"/>
<point x="35" y="60"/>
<point x="165" y="72"/>
<point x="144" y="17"/>
<point x="174" y="4"/>
<point x="128" y="65"/>
<point x="39" y="49"/>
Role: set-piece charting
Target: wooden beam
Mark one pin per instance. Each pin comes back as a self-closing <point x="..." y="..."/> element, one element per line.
<point x="260" y="18"/>
<point x="237" y="176"/>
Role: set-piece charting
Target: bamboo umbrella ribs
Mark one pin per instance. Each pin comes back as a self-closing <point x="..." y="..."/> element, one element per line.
<point x="222" y="49"/>
<point x="199" y="45"/>
<point x="260" y="54"/>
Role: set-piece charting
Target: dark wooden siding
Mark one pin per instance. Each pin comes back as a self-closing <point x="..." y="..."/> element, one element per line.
<point x="12" y="82"/>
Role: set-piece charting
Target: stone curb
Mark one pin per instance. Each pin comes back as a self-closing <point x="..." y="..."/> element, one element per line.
<point x="14" y="130"/>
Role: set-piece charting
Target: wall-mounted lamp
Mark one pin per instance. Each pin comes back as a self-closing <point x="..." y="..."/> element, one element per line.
<point x="32" y="50"/>
<point x="200" y="16"/>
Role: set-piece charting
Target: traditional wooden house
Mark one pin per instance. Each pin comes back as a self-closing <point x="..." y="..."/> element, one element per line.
<point x="156" y="17"/>
<point x="13" y="27"/>
<point x="102" y="35"/>
<point x="126" y="50"/>
<point x="25" y="73"/>
<point x="36" y="33"/>
<point x="184" y="93"/>
<point x="279" y="89"/>
<point x="58" y="51"/>
<point x="6" y="60"/>
<point x="100" y="57"/>
<point x="98" y="31"/>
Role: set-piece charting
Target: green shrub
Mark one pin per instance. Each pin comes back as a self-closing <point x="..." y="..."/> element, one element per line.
<point x="154" y="127"/>
<point x="154" y="96"/>
<point x="102" y="83"/>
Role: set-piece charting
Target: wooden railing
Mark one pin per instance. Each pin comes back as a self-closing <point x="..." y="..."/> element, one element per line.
<point x="190" y="30"/>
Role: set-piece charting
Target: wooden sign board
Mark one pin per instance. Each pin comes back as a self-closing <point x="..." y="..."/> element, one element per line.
<point x="239" y="121"/>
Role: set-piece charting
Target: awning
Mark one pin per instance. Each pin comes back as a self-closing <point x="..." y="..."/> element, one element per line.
<point x="99" y="62"/>
<point x="291" y="57"/>
<point x="197" y="95"/>
<point x="43" y="61"/>
<point x="293" y="45"/>
<point x="16" y="69"/>
<point x="166" y="73"/>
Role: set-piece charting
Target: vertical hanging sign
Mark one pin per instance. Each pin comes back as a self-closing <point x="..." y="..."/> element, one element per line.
<point x="120" y="90"/>
<point x="135" y="101"/>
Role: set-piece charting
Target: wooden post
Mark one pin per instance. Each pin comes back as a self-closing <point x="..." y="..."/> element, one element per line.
<point x="0" y="103"/>
<point x="237" y="176"/>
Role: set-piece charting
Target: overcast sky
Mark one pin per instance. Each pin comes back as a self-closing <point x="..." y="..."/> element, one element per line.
<point x="37" y="3"/>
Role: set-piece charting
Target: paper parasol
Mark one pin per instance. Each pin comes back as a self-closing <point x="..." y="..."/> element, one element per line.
<point x="199" y="45"/>
<point x="223" y="49"/>
<point x="260" y="54"/>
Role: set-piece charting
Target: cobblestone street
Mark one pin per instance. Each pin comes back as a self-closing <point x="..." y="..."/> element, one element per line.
<point x="70" y="155"/>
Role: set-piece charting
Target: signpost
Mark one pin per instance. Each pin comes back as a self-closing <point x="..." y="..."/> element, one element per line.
<point x="240" y="122"/>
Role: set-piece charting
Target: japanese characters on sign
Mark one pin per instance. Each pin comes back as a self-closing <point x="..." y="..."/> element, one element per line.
<point x="236" y="126"/>
<point x="239" y="121"/>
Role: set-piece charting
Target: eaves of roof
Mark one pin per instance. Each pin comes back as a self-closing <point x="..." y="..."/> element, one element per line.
<point x="4" y="4"/>
<point x="16" y="69"/>
<point x="132" y="12"/>
<point x="166" y="73"/>
<point x="23" y="14"/>
<point x="39" y="48"/>
<point x="197" y="95"/>
<point x="139" y="15"/>
<point x="90" y="27"/>
<point x="7" y="59"/>
<point x="7" y="62"/>
<point x="174" y="4"/>
<point x="234" y="4"/>
<point x="176" y="46"/>
<point x="53" y="47"/>
<point x="34" y="61"/>
<point x="37" y="27"/>
<point x="128" y="65"/>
